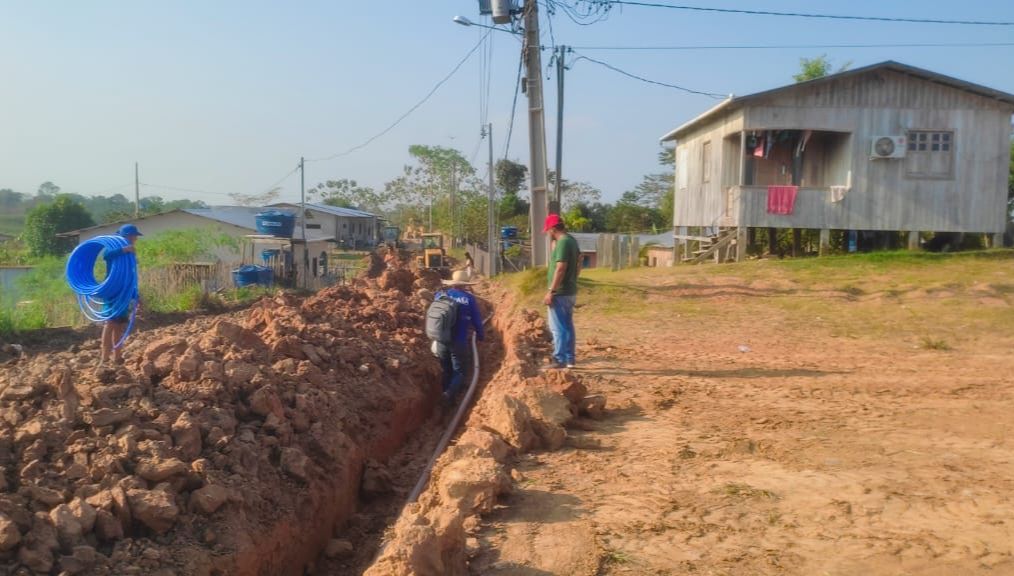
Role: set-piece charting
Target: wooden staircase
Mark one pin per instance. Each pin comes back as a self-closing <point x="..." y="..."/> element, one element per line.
<point x="720" y="248"/>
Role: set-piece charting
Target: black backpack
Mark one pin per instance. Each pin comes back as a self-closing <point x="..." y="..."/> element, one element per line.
<point x="441" y="318"/>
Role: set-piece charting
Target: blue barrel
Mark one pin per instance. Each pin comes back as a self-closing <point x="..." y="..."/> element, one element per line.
<point x="265" y="276"/>
<point x="245" y="276"/>
<point x="276" y="223"/>
<point x="508" y="232"/>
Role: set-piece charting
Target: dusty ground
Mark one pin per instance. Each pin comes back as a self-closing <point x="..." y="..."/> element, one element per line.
<point x="803" y="418"/>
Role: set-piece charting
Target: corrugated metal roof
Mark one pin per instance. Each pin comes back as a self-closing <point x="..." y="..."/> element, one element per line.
<point x="335" y="210"/>
<point x="733" y="103"/>
<point x="586" y="242"/>
<point x="663" y="239"/>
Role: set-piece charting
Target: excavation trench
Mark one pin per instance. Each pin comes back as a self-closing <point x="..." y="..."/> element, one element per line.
<point x="245" y="443"/>
<point x="233" y="444"/>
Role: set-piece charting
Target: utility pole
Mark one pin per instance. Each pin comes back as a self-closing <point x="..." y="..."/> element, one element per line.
<point x="137" y="192"/>
<point x="536" y="133"/>
<point x="302" y="221"/>
<point x="454" y="193"/>
<point x="561" y="52"/>
<point x="491" y="243"/>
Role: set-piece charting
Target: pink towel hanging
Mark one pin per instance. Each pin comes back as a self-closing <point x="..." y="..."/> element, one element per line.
<point x="782" y="199"/>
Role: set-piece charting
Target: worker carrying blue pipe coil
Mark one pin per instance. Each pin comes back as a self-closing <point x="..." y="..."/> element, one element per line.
<point x="113" y="301"/>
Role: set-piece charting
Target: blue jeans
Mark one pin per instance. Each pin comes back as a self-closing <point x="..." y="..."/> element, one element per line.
<point x="561" y="324"/>
<point x="456" y="361"/>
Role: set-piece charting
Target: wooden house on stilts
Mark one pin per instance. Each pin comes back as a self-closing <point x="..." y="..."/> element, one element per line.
<point x="887" y="147"/>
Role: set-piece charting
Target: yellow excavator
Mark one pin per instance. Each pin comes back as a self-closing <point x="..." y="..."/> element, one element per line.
<point x="432" y="252"/>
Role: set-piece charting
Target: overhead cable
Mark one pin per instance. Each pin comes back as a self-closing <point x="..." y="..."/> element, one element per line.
<point x="803" y="14"/>
<point x="408" y="113"/>
<point x="646" y="80"/>
<point x="691" y="47"/>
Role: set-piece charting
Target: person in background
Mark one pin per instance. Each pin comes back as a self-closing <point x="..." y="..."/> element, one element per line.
<point x="456" y="358"/>
<point x="469" y="264"/>
<point x="562" y="293"/>
<point x="114" y="328"/>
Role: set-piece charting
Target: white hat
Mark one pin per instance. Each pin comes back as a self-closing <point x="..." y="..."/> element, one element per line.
<point x="459" y="278"/>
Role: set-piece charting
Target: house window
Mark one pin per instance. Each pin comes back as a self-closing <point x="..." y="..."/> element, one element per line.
<point x="930" y="154"/>
<point x="706" y="161"/>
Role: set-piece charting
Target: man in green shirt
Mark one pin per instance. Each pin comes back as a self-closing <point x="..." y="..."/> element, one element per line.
<point x="562" y="293"/>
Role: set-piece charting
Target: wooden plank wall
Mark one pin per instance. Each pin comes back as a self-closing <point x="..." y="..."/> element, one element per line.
<point x="703" y="203"/>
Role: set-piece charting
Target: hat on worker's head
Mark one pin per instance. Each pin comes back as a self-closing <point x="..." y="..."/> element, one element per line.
<point x="459" y="278"/>
<point x="552" y="221"/>
<point x="129" y="230"/>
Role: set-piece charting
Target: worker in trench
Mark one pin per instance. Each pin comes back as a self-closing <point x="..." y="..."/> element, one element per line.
<point x="112" y="329"/>
<point x="455" y="352"/>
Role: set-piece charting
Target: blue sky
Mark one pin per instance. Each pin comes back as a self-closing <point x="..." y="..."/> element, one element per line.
<point x="225" y="96"/>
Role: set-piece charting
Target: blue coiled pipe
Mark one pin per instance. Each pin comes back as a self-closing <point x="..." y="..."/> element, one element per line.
<point x="117" y="294"/>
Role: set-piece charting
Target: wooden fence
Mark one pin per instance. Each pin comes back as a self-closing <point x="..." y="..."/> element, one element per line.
<point x="617" y="251"/>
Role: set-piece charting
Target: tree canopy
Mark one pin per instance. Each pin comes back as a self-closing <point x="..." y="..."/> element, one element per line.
<point x="814" y="68"/>
<point x="45" y="221"/>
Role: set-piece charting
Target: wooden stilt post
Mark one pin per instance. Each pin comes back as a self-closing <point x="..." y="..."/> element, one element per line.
<point x="825" y="242"/>
<point x="797" y="242"/>
<point x="913" y="240"/>
<point x="741" y="243"/>
<point x="772" y="240"/>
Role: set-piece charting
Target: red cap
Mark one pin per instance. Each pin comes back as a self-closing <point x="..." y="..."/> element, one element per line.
<point x="551" y="222"/>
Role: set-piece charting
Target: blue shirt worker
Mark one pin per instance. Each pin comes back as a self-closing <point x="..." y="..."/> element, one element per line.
<point x="456" y="359"/>
<point x="112" y="330"/>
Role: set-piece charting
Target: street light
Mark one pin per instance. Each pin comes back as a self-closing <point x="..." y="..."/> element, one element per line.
<point x="466" y="22"/>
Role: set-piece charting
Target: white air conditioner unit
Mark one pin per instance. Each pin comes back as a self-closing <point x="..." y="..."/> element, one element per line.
<point x="888" y="147"/>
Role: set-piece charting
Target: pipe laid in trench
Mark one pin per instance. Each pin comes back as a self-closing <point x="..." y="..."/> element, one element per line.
<point x="446" y="438"/>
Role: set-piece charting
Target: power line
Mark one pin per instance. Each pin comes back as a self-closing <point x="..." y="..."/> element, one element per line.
<point x="797" y="46"/>
<point x="415" y="107"/>
<point x="646" y="80"/>
<point x="187" y="190"/>
<point x="514" y="108"/>
<point x="805" y="14"/>
<point x="228" y="194"/>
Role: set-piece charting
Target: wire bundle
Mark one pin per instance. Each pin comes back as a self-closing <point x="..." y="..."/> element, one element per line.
<point x="117" y="294"/>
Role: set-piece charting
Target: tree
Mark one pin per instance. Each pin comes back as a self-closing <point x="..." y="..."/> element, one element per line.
<point x="48" y="189"/>
<point x="597" y="215"/>
<point x="10" y="199"/>
<point x="510" y="176"/>
<point x="347" y="193"/>
<point x="576" y="221"/>
<point x="426" y="186"/>
<point x="45" y="221"/>
<point x="628" y="216"/>
<point x="814" y="68"/>
<point x="574" y="193"/>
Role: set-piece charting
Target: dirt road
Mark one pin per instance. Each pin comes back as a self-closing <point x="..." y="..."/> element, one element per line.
<point x="780" y="421"/>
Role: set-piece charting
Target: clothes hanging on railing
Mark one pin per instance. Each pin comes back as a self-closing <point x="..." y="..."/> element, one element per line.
<point x="782" y="199"/>
<point x="838" y="193"/>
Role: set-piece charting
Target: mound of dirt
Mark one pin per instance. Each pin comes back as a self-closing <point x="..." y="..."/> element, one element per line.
<point x="226" y="445"/>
